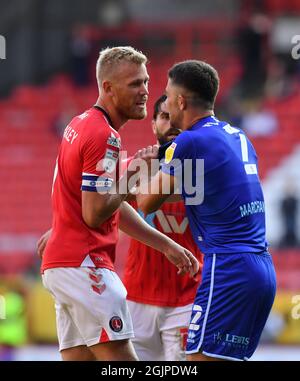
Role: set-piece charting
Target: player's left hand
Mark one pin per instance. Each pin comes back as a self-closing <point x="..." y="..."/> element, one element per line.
<point x="42" y="242"/>
<point x="182" y="258"/>
<point x="147" y="154"/>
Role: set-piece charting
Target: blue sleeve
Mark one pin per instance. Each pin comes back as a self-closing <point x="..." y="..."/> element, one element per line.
<point x="181" y="149"/>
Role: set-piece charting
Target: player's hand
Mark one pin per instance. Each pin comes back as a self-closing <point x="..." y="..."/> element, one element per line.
<point x="143" y="165"/>
<point x="182" y="258"/>
<point x="42" y="242"/>
<point x="146" y="154"/>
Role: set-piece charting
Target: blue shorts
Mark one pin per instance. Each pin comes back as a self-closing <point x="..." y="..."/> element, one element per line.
<point x="232" y="305"/>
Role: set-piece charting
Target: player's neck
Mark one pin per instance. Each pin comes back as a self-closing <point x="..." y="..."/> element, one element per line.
<point x="194" y="118"/>
<point x="114" y="116"/>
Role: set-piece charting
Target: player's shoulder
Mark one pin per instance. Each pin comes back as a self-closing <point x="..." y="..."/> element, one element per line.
<point x="181" y="147"/>
<point x="184" y="139"/>
<point x="97" y="127"/>
<point x="215" y="131"/>
<point x="95" y="121"/>
<point x="190" y="138"/>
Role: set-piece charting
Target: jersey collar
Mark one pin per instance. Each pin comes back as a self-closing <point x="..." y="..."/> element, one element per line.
<point x="207" y="121"/>
<point x="105" y="114"/>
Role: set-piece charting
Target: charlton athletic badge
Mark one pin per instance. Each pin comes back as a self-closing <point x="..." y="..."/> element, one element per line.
<point x="116" y="323"/>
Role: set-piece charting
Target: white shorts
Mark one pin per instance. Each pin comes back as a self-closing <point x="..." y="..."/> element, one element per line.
<point x="90" y="305"/>
<point x="160" y="332"/>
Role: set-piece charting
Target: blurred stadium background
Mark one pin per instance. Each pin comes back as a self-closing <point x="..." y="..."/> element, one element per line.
<point x="48" y="77"/>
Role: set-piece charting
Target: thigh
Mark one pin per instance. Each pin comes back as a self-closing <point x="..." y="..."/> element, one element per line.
<point x="96" y="302"/>
<point x="67" y="331"/>
<point x="265" y="281"/>
<point x="147" y="341"/>
<point x="80" y="353"/>
<point x="227" y="305"/>
<point x="174" y="331"/>
<point x="118" y="350"/>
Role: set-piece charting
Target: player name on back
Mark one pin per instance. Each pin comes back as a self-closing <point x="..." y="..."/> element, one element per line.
<point x="70" y="134"/>
<point x="252" y="208"/>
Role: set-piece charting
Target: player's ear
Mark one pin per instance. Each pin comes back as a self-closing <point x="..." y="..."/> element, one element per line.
<point x="107" y="87"/>
<point x="181" y="102"/>
<point x="153" y="125"/>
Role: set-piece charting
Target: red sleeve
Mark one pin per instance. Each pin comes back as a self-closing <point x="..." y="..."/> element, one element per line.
<point x="100" y="159"/>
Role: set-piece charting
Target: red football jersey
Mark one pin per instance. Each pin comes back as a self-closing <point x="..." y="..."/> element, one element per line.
<point x="149" y="277"/>
<point x="87" y="161"/>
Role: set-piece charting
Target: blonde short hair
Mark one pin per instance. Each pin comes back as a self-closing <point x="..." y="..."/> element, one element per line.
<point x="109" y="58"/>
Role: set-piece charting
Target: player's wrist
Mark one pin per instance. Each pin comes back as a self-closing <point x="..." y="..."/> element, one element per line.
<point x="165" y="244"/>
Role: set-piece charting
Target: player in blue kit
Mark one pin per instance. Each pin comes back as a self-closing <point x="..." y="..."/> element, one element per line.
<point x="214" y="166"/>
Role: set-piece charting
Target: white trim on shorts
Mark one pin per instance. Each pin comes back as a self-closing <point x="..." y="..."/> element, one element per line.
<point x="212" y="278"/>
<point x="83" y="313"/>
<point x="223" y="357"/>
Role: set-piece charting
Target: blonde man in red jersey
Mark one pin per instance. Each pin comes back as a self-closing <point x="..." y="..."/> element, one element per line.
<point x="160" y="301"/>
<point x="93" y="320"/>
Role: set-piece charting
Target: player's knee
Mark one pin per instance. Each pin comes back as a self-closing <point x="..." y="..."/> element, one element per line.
<point x="80" y="353"/>
<point x="119" y="350"/>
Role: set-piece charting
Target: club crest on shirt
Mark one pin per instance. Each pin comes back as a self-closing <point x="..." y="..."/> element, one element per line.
<point x="116" y="323"/>
<point x="170" y="152"/>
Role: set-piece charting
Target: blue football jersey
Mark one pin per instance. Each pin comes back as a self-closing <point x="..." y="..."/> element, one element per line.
<point x="217" y="166"/>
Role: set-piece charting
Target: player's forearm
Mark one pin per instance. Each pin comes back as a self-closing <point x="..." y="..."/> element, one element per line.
<point x="150" y="203"/>
<point x="162" y="187"/>
<point x="98" y="216"/>
<point x="132" y="224"/>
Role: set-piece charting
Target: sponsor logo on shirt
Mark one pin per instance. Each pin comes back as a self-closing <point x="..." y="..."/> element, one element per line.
<point x="170" y="152"/>
<point x="168" y="223"/>
<point x="113" y="141"/>
<point x="110" y="160"/>
<point x="98" y="259"/>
